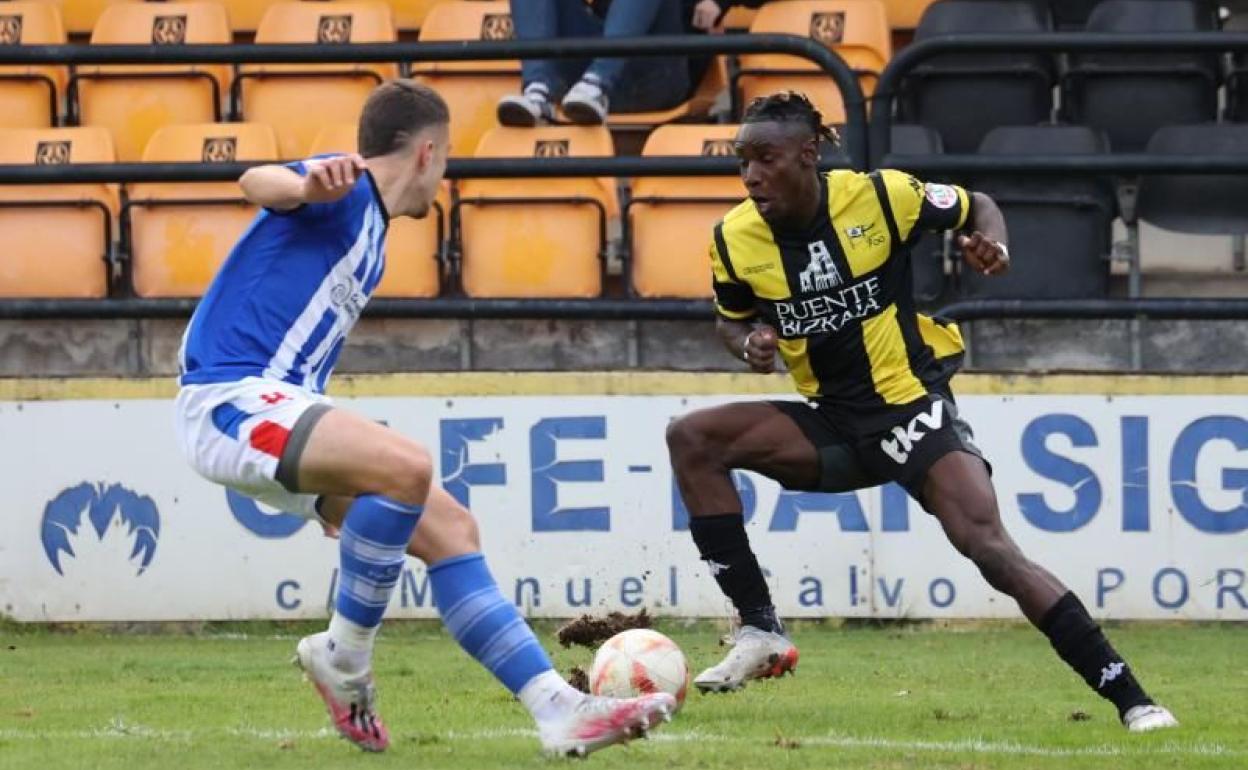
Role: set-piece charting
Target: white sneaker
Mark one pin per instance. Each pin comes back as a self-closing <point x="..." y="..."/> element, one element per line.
<point x="586" y="103"/>
<point x="597" y="722"/>
<point x="349" y="698"/>
<point x="1142" y="719"/>
<point x="527" y="109"/>
<point x="755" y="654"/>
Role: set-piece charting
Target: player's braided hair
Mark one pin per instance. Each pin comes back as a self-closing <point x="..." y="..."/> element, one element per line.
<point x="790" y="107"/>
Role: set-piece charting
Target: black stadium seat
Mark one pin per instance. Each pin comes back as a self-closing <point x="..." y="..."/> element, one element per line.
<point x="1060" y="227"/>
<point x="1073" y="14"/>
<point x="927" y="255"/>
<point x="963" y="96"/>
<point x="1198" y="203"/>
<point x="1129" y="96"/>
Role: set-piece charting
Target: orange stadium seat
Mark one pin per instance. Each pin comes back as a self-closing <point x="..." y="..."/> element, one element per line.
<point x="179" y="233"/>
<point x="535" y="237"/>
<point x="905" y="14"/>
<point x="80" y="16"/>
<point x="413" y="267"/>
<point x="738" y="18"/>
<point x="670" y="218"/>
<point x="299" y="99"/>
<point x="245" y="15"/>
<point x="57" y="237"/>
<point x="699" y="103"/>
<point x="409" y="14"/>
<point x="134" y="101"/>
<point x="855" y="29"/>
<point x="29" y="95"/>
<point x="471" y="88"/>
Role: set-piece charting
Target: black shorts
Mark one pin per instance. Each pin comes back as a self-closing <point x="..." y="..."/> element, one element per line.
<point x="921" y="433"/>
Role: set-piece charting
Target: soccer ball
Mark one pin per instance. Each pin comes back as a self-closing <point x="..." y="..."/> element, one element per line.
<point x="637" y="662"/>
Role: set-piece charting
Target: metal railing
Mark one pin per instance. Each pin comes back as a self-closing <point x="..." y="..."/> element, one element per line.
<point x="860" y="154"/>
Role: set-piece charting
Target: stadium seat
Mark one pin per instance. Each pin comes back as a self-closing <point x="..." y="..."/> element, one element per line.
<point x="29" y="96"/>
<point x="1129" y="96"/>
<point x="57" y="238"/>
<point x="80" y="16"/>
<point x="471" y="88"/>
<point x="1060" y="227"/>
<point x="990" y="90"/>
<point x="738" y="18"/>
<point x="245" y="15"/>
<point x="134" y="101"/>
<point x="300" y="99"/>
<point x="927" y="254"/>
<point x="714" y="80"/>
<point x="1198" y="203"/>
<point x="535" y="237"/>
<point x="409" y="15"/>
<point x="670" y="218"/>
<point x="413" y="246"/>
<point x="857" y="30"/>
<point x="905" y="14"/>
<point x="178" y="234"/>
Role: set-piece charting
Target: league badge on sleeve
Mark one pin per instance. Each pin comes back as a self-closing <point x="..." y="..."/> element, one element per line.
<point x="942" y="196"/>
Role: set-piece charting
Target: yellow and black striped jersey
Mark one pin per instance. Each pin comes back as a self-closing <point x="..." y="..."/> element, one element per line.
<point x="838" y="292"/>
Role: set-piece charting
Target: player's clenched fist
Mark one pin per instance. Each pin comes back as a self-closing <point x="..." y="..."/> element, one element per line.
<point x="759" y="350"/>
<point x="984" y="254"/>
<point x="329" y="179"/>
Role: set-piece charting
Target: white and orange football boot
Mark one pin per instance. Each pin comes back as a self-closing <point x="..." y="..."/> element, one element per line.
<point x="597" y="722"/>
<point x="755" y="654"/>
<point x="350" y="698"/>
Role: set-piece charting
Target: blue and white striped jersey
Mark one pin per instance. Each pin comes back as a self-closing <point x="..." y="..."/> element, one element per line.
<point x="289" y="292"/>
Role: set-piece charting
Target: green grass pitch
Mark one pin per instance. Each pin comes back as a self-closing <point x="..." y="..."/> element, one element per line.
<point x="927" y="696"/>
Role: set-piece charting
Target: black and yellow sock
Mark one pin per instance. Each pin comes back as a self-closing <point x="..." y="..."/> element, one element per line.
<point x="725" y="548"/>
<point x="1079" y="641"/>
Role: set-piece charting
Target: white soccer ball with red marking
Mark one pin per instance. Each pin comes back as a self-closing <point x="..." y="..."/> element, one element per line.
<point x="637" y="662"/>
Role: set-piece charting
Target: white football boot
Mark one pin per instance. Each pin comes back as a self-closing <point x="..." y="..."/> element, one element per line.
<point x="349" y="698"/>
<point x="597" y="722"/>
<point x="755" y="654"/>
<point x="1142" y="719"/>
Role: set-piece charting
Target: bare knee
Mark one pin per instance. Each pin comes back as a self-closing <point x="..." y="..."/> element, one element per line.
<point x="689" y="438"/>
<point x="407" y="471"/>
<point x="446" y="533"/>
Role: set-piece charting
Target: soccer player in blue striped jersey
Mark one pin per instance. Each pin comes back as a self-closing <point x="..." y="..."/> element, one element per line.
<point x="252" y="416"/>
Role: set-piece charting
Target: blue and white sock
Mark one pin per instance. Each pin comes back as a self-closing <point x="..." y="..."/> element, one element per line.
<point x="490" y="629"/>
<point x="372" y="546"/>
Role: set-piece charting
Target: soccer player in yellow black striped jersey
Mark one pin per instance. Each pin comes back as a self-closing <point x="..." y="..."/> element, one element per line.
<point x="816" y="267"/>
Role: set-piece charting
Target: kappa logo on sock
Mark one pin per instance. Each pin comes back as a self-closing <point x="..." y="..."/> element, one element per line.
<point x="1111" y="672"/>
<point x="904" y="439"/>
<point x="715" y="567"/>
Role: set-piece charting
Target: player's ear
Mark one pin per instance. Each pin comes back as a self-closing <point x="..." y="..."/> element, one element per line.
<point x="810" y="152"/>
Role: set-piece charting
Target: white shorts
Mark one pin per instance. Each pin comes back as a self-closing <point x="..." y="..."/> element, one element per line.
<point x="237" y="433"/>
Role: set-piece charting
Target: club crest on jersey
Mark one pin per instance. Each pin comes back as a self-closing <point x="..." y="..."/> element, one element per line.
<point x="942" y="196"/>
<point x="863" y="233"/>
<point x="821" y="274"/>
<point x="900" y="445"/>
<point x="348" y="298"/>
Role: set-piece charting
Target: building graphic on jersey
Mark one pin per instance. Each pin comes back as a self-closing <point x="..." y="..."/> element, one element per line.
<point x="821" y="274"/>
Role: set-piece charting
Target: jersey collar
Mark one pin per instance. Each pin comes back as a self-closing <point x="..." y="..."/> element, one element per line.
<point x="381" y="203"/>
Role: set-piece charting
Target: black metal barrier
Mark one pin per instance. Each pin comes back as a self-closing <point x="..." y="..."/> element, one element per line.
<point x="855" y="135"/>
<point x="641" y="309"/>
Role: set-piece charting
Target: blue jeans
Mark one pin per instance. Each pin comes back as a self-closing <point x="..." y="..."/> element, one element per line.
<point x="634" y="85"/>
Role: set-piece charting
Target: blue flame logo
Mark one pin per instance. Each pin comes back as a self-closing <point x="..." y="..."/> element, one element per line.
<point x="99" y="504"/>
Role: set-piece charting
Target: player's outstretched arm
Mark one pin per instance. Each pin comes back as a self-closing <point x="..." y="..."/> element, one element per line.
<point x="984" y="248"/>
<point x="754" y="344"/>
<point x="282" y="189"/>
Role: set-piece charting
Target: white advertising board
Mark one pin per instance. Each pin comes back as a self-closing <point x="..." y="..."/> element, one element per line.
<point x="1139" y="503"/>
